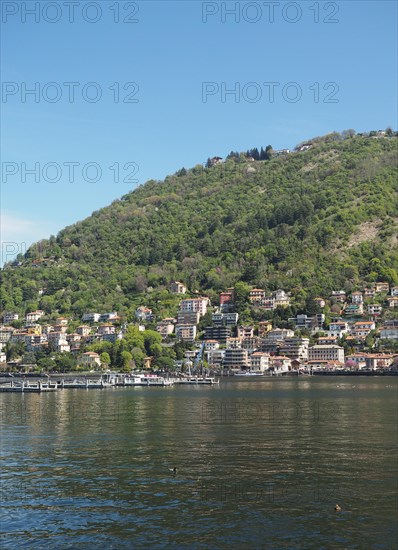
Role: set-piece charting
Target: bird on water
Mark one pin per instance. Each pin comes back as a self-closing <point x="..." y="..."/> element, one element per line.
<point x="173" y="470"/>
<point x="337" y="508"/>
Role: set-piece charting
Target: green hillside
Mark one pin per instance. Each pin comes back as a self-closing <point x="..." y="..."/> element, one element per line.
<point x="308" y="222"/>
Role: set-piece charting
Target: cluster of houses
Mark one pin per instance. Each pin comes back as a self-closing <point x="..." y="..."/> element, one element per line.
<point x="228" y="344"/>
<point x="235" y="347"/>
<point x="56" y="337"/>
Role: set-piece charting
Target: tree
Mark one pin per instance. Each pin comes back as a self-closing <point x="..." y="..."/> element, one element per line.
<point x="46" y="363"/>
<point x="105" y="359"/>
<point x="155" y="350"/>
<point x="65" y="362"/>
<point x="241" y="295"/>
<point x="127" y="361"/>
<point x="151" y="337"/>
<point x="165" y="363"/>
<point x="268" y="152"/>
<point x="14" y="350"/>
<point x="28" y="358"/>
<point x="138" y="358"/>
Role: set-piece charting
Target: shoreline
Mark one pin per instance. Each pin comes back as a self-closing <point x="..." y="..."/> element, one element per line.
<point x="97" y="375"/>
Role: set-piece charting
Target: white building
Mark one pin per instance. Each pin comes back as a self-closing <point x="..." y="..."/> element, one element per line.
<point x="326" y="353"/>
<point x="389" y="333"/>
<point x="338" y="296"/>
<point x="211" y="345"/>
<point x="338" y="329"/>
<point x="357" y="297"/>
<point x="279" y="334"/>
<point x="83" y="330"/>
<point x="34" y="316"/>
<point x="295" y="348"/>
<point x="215" y="357"/>
<point x="245" y="332"/>
<point x="104" y="317"/>
<point x="177" y="287"/>
<point x="195" y="304"/>
<point x="236" y="358"/>
<point x="91" y="318"/>
<point x="165" y="328"/>
<point x="259" y="361"/>
<point x="187" y="333"/>
<point x="5" y="334"/>
<point x="374" y="309"/>
<point x="9" y="317"/>
<point x="90" y="359"/>
<point x="143" y="313"/>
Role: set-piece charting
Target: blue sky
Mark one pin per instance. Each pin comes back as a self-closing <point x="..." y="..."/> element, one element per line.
<point x="337" y="60"/>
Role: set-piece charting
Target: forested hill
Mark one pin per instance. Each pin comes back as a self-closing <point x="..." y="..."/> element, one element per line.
<point x="307" y="221"/>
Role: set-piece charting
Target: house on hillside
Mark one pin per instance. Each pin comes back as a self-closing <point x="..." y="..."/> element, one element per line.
<point x="338" y="328"/>
<point x="83" y="330"/>
<point x="90" y="317"/>
<point x="338" y="296"/>
<point x="375" y="310"/>
<point x="34" y="316"/>
<point x="353" y="310"/>
<point x="280" y="152"/>
<point x="9" y="317"/>
<point x="211" y="345"/>
<point x="382" y="287"/>
<point x="186" y="333"/>
<point x="176" y="287"/>
<point x="227" y="298"/>
<point x="215" y="160"/>
<point x="389" y="333"/>
<point x="195" y="304"/>
<point x="257" y="296"/>
<point x="304" y="147"/>
<point x="90" y="360"/>
<point x="143" y="313"/>
<point x="369" y="292"/>
<point x="320" y="302"/>
<point x="264" y="327"/>
<point x="357" y="297"/>
<point x="245" y="332"/>
<point x="361" y="329"/>
<point x="165" y="327"/>
<point x="281" y="298"/>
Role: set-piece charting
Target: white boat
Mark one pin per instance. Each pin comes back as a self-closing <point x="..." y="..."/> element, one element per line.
<point x="146" y="380"/>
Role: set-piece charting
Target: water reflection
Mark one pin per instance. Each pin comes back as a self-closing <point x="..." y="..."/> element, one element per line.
<point x="260" y="464"/>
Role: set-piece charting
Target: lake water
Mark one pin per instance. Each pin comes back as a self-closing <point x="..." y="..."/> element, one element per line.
<point x="261" y="464"/>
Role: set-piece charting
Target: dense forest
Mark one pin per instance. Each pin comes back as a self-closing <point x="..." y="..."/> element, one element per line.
<point x="308" y="222"/>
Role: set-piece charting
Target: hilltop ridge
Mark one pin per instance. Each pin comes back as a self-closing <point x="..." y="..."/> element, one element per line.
<point x="321" y="217"/>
